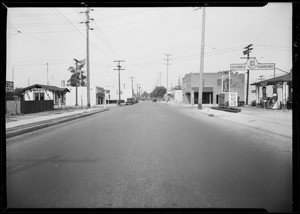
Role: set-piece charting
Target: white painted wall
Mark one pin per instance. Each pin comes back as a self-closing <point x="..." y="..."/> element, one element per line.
<point x="29" y="95"/>
<point x="177" y="95"/>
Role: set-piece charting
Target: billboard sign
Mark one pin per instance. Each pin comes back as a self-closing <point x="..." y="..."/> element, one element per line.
<point x="252" y="64"/>
<point x="9" y="86"/>
<point x="233" y="99"/>
<point x="225" y="84"/>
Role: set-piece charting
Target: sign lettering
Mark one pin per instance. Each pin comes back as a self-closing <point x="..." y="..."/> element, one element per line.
<point x="204" y="89"/>
<point x="252" y="64"/>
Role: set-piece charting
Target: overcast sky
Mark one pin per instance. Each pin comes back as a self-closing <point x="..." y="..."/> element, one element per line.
<point x="141" y="37"/>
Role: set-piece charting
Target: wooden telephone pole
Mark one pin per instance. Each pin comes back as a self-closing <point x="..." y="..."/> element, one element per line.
<point x="119" y="68"/>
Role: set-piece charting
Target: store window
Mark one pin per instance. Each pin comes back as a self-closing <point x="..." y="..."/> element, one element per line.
<point x="39" y="96"/>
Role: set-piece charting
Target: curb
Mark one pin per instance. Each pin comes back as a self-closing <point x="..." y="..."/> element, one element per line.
<point x="39" y="125"/>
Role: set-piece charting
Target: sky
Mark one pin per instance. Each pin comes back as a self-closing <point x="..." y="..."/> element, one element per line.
<point x="141" y="37"/>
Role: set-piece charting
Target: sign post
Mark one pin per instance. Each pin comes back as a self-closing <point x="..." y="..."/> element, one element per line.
<point x="251" y="64"/>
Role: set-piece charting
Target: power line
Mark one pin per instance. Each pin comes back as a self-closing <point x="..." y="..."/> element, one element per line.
<point x="51" y="43"/>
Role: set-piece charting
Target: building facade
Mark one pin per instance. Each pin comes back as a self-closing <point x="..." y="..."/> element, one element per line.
<point x="212" y="87"/>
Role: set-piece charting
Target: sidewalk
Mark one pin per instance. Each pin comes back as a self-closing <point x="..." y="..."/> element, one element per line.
<point x="278" y="122"/>
<point x="18" y="124"/>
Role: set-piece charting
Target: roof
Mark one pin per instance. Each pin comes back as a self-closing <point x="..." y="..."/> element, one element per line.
<point x="276" y="80"/>
<point x="47" y="87"/>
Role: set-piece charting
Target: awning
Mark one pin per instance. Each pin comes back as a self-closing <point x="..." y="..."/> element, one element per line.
<point x="276" y="80"/>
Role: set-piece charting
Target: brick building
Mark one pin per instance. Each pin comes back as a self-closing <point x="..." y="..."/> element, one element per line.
<point x="212" y="87"/>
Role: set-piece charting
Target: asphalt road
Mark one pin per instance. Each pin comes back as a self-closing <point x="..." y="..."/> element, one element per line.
<point x="149" y="155"/>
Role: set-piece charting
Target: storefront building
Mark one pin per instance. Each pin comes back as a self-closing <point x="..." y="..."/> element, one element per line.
<point x="282" y="89"/>
<point x="212" y="87"/>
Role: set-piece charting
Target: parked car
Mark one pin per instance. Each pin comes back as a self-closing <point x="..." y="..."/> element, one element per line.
<point x="129" y="101"/>
<point x="154" y="100"/>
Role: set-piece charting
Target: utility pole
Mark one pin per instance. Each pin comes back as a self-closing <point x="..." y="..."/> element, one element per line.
<point x="119" y="68"/>
<point x="137" y="90"/>
<point x="201" y="61"/>
<point x="13" y="73"/>
<point x="87" y="53"/>
<point x="131" y="86"/>
<point x="160" y="78"/>
<point x="261" y="78"/>
<point x="167" y="71"/>
<point x="47" y="74"/>
<point x="76" y="72"/>
<point x="247" y="52"/>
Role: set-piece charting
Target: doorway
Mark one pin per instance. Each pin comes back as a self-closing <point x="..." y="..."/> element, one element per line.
<point x="207" y="96"/>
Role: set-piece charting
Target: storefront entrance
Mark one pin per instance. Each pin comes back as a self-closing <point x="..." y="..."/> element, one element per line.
<point x="207" y="97"/>
<point x="100" y="100"/>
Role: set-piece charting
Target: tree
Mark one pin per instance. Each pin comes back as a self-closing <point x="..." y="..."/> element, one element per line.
<point x="145" y="95"/>
<point x="158" y="92"/>
<point x="77" y="78"/>
<point x="15" y="94"/>
<point x="19" y="92"/>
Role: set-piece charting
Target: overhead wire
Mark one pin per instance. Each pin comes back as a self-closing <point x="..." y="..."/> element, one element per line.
<point x="69" y="50"/>
<point x="100" y="34"/>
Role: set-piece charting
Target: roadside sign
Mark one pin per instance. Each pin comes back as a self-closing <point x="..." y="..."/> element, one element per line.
<point x="9" y="86"/>
<point x="225" y="84"/>
<point x="252" y="64"/>
<point x="233" y="99"/>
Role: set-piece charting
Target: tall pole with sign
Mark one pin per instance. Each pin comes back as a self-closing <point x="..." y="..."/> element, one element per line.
<point x="247" y="52"/>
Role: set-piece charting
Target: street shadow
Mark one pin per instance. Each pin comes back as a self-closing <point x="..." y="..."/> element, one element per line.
<point x="17" y="165"/>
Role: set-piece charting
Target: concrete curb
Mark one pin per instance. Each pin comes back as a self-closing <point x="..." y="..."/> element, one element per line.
<point x="43" y="124"/>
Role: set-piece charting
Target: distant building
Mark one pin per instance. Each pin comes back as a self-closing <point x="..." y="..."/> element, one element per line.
<point x="97" y="96"/>
<point x="212" y="87"/>
<point x="126" y="92"/>
<point x="176" y="95"/>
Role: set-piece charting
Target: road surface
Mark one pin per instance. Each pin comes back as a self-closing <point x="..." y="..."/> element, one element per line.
<point x="150" y="155"/>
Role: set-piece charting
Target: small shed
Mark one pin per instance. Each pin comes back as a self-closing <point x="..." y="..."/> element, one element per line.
<point x="38" y="92"/>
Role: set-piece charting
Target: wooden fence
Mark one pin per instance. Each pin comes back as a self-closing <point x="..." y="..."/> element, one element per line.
<point x="28" y="107"/>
